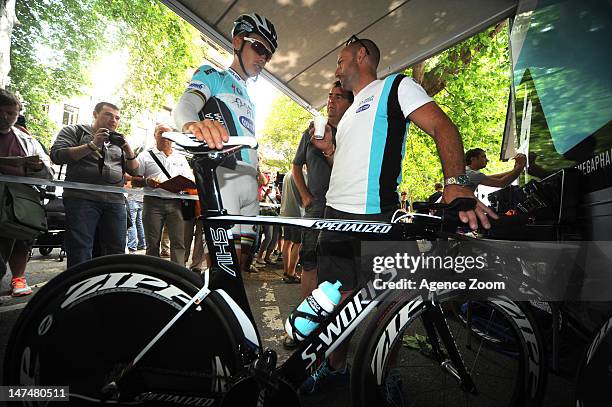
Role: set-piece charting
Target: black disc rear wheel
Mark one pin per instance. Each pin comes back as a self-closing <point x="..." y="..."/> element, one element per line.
<point x="88" y="323"/>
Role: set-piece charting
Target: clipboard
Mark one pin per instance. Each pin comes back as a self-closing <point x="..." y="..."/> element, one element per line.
<point x="177" y="184"/>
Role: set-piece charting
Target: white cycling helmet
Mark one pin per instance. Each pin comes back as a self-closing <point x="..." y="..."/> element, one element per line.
<point x="254" y="23"/>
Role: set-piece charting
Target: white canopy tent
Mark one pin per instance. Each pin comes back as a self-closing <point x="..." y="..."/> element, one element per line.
<point x="312" y="31"/>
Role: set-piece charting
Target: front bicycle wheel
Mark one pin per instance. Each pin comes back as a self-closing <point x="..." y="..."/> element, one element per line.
<point x="396" y="365"/>
<point x="88" y="323"/>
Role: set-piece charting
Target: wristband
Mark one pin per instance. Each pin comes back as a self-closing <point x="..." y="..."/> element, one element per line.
<point x="330" y="154"/>
<point x="130" y="159"/>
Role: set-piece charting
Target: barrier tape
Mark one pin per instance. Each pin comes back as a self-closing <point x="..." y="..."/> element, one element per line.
<point x="159" y="193"/>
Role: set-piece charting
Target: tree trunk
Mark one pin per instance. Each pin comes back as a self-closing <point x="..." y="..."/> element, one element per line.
<point x="7" y="20"/>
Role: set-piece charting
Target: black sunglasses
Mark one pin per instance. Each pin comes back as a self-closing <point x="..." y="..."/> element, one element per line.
<point x="259" y="47"/>
<point x="355" y="39"/>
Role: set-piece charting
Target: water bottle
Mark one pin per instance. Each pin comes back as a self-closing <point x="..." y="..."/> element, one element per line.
<point x="320" y="303"/>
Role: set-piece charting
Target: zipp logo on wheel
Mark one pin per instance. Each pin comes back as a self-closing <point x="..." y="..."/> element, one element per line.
<point x="124" y="282"/>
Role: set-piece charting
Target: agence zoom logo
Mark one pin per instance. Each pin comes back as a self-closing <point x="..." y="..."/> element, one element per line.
<point x="352" y="227"/>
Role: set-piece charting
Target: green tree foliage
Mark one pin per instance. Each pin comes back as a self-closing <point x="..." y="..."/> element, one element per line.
<point x="162" y="48"/>
<point x="56" y="42"/>
<point x="282" y="133"/>
<point x="51" y="48"/>
<point x="471" y="83"/>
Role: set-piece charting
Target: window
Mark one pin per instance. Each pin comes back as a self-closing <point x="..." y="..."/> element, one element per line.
<point x="71" y="115"/>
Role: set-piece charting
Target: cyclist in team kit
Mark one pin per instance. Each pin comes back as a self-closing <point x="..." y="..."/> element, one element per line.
<point x="216" y="104"/>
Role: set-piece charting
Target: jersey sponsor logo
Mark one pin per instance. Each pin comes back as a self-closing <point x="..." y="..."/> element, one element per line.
<point x="215" y="116"/>
<point x="209" y="71"/>
<point x="198" y="86"/>
<point x="370" y="99"/>
<point x="244" y="105"/>
<point x="234" y="74"/>
<point x="339" y="226"/>
<point x="237" y="89"/>
<point x="362" y="108"/>
<point x="247" y="124"/>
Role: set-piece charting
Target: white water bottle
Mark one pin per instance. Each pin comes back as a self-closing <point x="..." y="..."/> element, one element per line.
<point x="320" y="303"/>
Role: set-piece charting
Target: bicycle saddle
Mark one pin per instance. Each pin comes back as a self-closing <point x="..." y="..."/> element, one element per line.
<point x="191" y="144"/>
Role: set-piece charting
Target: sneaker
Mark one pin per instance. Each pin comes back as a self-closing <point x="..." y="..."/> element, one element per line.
<point x="141" y="248"/>
<point x="131" y="251"/>
<point x="19" y="287"/>
<point x="253" y="269"/>
<point x="394" y="392"/>
<point x="324" y="376"/>
<point x="164" y="253"/>
<point x="258" y="263"/>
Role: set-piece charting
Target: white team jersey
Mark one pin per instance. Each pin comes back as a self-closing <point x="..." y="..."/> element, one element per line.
<point x="370" y="146"/>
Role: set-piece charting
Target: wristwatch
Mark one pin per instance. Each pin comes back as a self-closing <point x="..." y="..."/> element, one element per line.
<point x="461" y="180"/>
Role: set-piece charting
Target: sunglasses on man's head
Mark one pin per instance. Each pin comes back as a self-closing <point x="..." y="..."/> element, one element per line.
<point x="355" y="39"/>
<point x="259" y="47"/>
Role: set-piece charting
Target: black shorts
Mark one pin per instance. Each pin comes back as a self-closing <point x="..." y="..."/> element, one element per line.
<point x="339" y="254"/>
<point x="292" y="233"/>
<point x="308" y="251"/>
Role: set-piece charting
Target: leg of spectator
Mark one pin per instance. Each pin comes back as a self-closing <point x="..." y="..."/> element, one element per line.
<point x="267" y="240"/>
<point x="176" y="231"/>
<point x="294" y="255"/>
<point x="82" y="217"/>
<point x="188" y="238"/>
<point x="6" y="247"/>
<point x="112" y="228"/>
<point x="272" y="245"/>
<point x="132" y="243"/>
<point x="17" y="262"/>
<point x="197" y="259"/>
<point x="287" y="244"/>
<point x="165" y="242"/>
<point x="142" y="242"/>
<point x="152" y="217"/>
<point x="19" y="258"/>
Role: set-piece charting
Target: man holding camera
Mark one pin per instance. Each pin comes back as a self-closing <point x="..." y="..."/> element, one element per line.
<point x="94" y="154"/>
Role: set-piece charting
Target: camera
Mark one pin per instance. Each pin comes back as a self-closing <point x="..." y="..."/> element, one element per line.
<point x="116" y="139"/>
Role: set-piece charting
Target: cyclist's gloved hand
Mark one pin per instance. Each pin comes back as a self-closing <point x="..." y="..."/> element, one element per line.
<point x="472" y="216"/>
<point x="212" y="132"/>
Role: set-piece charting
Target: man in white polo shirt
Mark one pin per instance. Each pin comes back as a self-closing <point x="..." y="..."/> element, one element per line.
<point x="158" y="212"/>
<point x="366" y="170"/>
